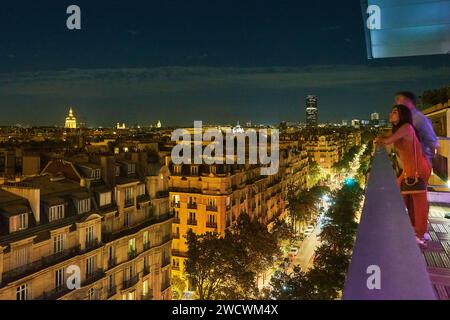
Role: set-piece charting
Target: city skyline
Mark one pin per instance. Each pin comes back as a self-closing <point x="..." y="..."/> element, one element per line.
<point x="209" y="62"/>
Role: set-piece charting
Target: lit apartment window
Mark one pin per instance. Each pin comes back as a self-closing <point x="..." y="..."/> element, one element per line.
<point x="21" y="256"/>
<point x="84" y="205"/>
<point x="18" y="222"/>
<point x="90" y="266"/>
<point x="212" y="203"/>
<point x="117" y="171"/>
<point x="59" y="243"/>
<point x="176" y="199"/>
<point x="132" y="295"/>
<point x="90" y="236"/>
<point x="91" y="294"/>
<point x="211" y="219"/>
<point x="60" y="276"/>
<point x="141" y="190"/>
<point x="96" y="174"/>
<point x="145" y="288"/>
<point x="194" y="170"/>
<point x="128" y="195"/>
<point x="23" y="292"/>
<point x="131" y="168"/>
<point x="177" y="169"/>
<point x="105" y="199"/>
<point x="145" y="239"/>
<point x="132" y="245"/>
<point x="56" y="213"/>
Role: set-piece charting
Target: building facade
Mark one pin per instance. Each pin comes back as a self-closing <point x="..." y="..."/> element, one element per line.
<point x="104" y="224"/>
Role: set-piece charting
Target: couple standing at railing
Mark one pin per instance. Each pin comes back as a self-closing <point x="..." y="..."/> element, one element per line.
<point x="415" y="143"/>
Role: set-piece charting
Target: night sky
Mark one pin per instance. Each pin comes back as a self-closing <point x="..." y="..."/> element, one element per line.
<point x="179" y="61"/>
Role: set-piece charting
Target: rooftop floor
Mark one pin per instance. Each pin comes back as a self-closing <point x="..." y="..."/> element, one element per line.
<point x="437" y="254"/>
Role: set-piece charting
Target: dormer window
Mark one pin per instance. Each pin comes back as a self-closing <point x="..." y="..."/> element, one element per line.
<point x="18" y="222"/>
<point x="141" y="190"/>
<point x="131" y="168"/>
<point x="105" y="199"/>
<point x="96" y="174"/>
<point x="84" y="205"/>
<point x="56" y="213"/>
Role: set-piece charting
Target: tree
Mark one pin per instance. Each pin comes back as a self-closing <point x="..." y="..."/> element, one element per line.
<point x="295" y="286"/>
<point x="204" y="262"/>
<point x="313" y="173"/>
<point x="326" y="279"/>
<point x="226" y="267"/>
<point x="253" y="238"/>
<point x="178" y="287"/>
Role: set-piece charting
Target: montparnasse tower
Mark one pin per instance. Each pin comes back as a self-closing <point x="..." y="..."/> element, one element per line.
<point x="71" y="120"/>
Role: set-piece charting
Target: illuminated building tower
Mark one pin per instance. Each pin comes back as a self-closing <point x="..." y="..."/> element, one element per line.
<point x="71" y="120"/>
<point x="311" y="111"/>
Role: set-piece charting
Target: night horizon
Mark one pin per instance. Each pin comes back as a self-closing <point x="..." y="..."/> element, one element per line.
<point x="216" y="62"/>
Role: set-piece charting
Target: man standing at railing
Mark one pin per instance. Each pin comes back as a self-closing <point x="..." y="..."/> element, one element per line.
<point x="425" y="130"/>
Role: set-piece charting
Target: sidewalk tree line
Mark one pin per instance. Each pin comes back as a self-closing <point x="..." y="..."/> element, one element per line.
<point x="326" y="279"/>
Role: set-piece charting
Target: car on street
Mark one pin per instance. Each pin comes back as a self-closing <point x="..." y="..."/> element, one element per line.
<point x="308" y="231"/>
<point x="293" y="251"/>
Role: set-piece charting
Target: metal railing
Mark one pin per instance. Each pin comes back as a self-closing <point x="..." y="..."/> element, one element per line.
<point x="386" y="246"/>
<point x="191" y="222"/>
<point x="128" y="283"/>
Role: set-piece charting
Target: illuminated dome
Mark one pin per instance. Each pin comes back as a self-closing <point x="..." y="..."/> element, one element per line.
<point x="71" y="120"/>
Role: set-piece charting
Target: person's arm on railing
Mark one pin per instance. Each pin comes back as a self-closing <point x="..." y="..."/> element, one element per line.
<point x="402" y="132"/>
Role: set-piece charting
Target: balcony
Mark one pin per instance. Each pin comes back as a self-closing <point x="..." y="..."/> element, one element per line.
<point x="112" y="263"/>
<point x="176" y="220"/>
<point x="93" y="277"/>
<point x="386" y="240"/>
<point x="191" y="222"/>
<point x="128" y="283"/>
<point x="146" y="246"/>
<point x="147" y="296"/>
<point x="129" y="203"/>
<point x="111" y="292"/>
<point x="166" y="238"/>
<point x="40" y="264"/>
<point x="176" y="236"/>
<point x="132" y="254"/>
<point x="92" y="244"/>
<point x="179" y="253"/>
<point x="211" y="208"/>
<point x="165" y="262"/>
<point x="162" y="194"/>
<point x="175" y="204"/>
<point x="146" y="270"/>
<point x="211" y="225"/>
<point x="54" y="294"/>
<point x="111" y="236"/>
<point x="192" y="205"/>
